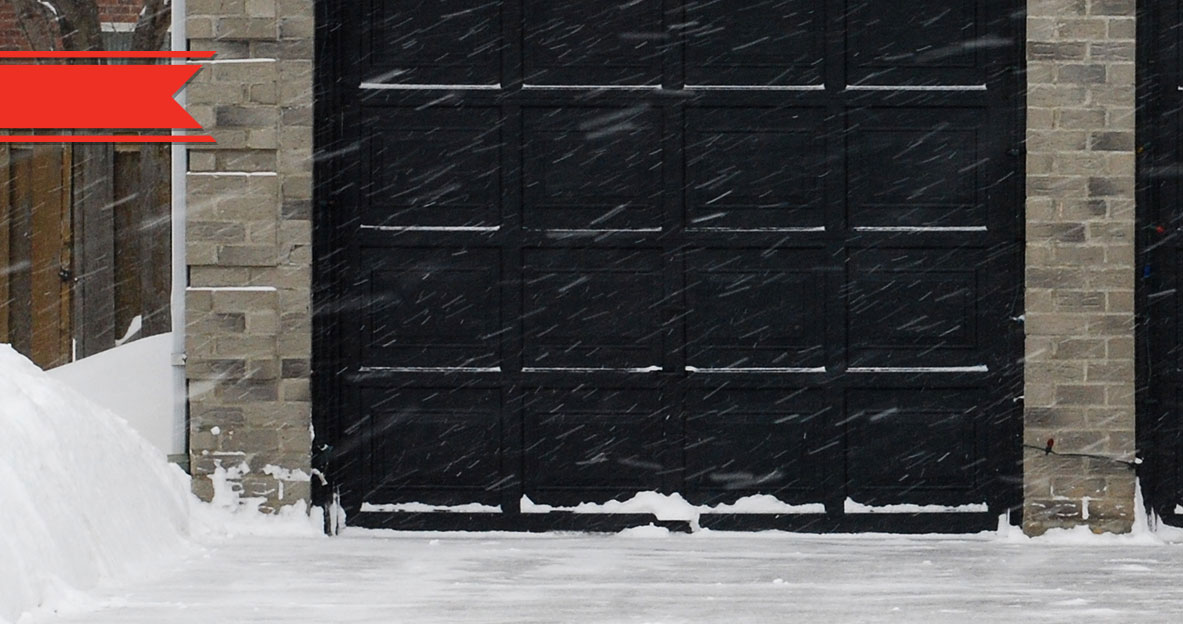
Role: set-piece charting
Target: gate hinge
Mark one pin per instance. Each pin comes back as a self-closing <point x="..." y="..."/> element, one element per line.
<point x="321" y="453"/>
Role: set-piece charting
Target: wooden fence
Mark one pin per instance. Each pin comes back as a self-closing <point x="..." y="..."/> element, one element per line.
<point x="35" y="239"/>
<point x="84" y="247"/>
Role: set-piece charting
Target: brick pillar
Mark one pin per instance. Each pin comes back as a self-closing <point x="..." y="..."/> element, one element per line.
<point x="1080" y="262"/>
<point x="249" y="247"/>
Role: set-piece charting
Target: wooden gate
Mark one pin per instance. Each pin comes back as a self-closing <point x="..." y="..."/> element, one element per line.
<point x="84" y="250"/>
<point x="36" y="252"/>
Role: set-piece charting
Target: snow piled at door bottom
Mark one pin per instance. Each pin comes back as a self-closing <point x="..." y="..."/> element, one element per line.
<point x="661" y="506"/>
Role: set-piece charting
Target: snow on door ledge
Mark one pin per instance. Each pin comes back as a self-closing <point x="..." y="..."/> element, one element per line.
<point x="851" y="506"/>
<point x="662" y="506"/>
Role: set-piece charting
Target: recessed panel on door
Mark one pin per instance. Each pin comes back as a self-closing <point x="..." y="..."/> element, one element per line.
<point x="916" y="309"/>
<point x="433" y="42"/>
<point x="922" y="43"/>
<point x="917" y="168"/>
<point x="592" y="168"/>
<point x="755" y="168"/>
<point x="746" y="441"/>
<point x="589" y="308"/>
<point x="755" y="308"/>
<point x="434" y="168"/>
<point x="431" y="307"/>
<point x="438" y="445"/>
<point x="592" y="443"/>
<point x="918" y="446"/>
<point x="769" y="42"/>
<point x="593" y="42"/>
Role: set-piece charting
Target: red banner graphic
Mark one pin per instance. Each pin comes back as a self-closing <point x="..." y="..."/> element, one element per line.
<point x="113" y="97"/>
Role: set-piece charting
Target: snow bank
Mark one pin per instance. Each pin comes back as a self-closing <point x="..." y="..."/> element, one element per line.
<point x="134" y="381"/>
<point x="82" y="496"/>
<point x="230" y="514"/>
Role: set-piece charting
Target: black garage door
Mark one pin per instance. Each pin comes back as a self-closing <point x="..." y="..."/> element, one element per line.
<point x="1160" y="422"/>
<point x="573" y="250"/>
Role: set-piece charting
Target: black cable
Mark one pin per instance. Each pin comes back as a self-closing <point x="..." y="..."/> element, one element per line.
<point x="1048" y="450"/>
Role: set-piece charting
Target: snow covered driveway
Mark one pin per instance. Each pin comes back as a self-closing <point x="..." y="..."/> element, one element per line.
<point x="389" y="578"/>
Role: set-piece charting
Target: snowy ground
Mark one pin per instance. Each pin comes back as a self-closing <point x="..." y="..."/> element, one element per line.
<point x="96" y="527"/>
<point x="387" y="577"/>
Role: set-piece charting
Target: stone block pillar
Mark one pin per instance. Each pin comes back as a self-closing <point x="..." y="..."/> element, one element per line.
<point x="1080" y="263"/>
<point x="249" y="248"/>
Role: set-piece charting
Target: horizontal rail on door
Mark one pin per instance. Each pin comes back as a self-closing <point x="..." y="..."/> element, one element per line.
<point x="919" y="369"/>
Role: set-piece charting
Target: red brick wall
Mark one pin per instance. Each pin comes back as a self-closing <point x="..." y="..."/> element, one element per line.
<point x="11" y="37"/>
<point x="119" y="10"/>
<point x="10" y="34"/>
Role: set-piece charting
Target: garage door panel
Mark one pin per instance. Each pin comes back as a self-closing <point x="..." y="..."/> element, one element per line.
<point x="576" y="42"/>
<point x="719" y="249"/>
<point x="772" y="42"/>
<point x="592" y="168"/>
<point x="755" y="308"/>
<point x="741" y="442"/>
<point x="416" y="42"/>
<point x="915" y="308"/>
<point x="918" y="446"/>
<point x="434" y="167"/>
<point x="918" y="168"/>
<point x="431" y="307"/>
<point x="592" y="444"/>
<point x="731" y="190"/>
<point x="931" y="42"/>
<point x="593" y="308"/>
<point x="437" y="445"/>
<point x="1160" y="261"/>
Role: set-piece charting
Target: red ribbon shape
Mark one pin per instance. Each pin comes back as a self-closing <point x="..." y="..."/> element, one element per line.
<point x="94" y="96"/>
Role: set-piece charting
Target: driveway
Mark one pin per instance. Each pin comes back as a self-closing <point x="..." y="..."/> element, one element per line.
<point x="385" y="577"/>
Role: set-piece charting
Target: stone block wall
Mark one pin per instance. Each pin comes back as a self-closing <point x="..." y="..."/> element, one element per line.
<point x="249" y="248"/>
<point x="1080" y="267"/>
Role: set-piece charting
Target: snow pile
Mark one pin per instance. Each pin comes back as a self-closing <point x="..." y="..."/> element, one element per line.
<point x="82" y="496"/>
<point x="230" y="513"/>
<point x="424" y="507"/>
<point x="675" y="507"/>
<point x="134" y="381"/>
<point x="648" y="531"/>
<point x="1146" y="531"/>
